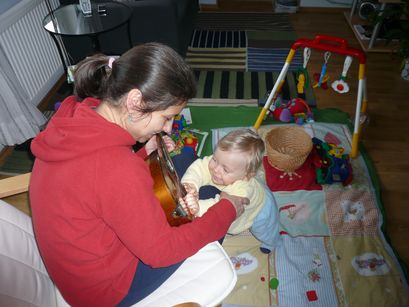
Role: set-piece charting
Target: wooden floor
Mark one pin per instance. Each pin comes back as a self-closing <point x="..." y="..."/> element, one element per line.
<point x="386" y="138"/>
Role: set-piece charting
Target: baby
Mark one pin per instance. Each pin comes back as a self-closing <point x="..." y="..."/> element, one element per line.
<point x="232" y="169"/>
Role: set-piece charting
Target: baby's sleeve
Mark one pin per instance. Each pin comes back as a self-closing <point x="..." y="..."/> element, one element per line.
<point x="198" y="173"/>
<point x="205" y="204"/>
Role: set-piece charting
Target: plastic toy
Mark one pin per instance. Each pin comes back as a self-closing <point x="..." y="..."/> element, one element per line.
<point x="179" y="122"/>
<point x="301" y="83"/>
<point x="190" y="143"/>
<point x="331" y="164"/>
<point x="322" y="78"/>
<point x="184" y="139"/>
<point x="324" y="81"/>
<point x="294" y="110"/>
<point x="332" y="44"/>
<point x="302" y="74"/>
<point x="341" y="86"/>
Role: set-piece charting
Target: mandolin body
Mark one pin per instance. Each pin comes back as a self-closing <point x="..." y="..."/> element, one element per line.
<point x="167" y="186"/>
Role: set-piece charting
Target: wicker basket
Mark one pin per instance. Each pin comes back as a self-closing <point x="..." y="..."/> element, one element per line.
<point x="287" y="147"/>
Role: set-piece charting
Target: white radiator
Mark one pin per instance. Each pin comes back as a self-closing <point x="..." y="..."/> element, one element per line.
<point x="30" y="49"/>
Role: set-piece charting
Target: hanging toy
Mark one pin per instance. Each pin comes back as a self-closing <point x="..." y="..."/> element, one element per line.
<point x="302" y="73"/>
<point x="322" y="78"/>
<point x="341" y="86"/>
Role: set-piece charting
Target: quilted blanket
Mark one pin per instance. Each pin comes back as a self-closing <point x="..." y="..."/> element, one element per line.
<point x="333" y="252"/>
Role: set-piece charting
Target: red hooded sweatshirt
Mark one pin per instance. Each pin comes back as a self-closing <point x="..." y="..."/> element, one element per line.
<point x="94" y="212"/>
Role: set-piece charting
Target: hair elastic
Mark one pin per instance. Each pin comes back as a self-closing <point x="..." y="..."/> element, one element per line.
<point x="110" y="61"/>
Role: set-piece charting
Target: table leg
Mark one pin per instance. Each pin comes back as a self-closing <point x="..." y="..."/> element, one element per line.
<point x="60" y="52"/>
<point x="353" y="8"/>
<point x="129" y="33"/>
<point x="376" y="29"/>
<point x="95" y="43"/>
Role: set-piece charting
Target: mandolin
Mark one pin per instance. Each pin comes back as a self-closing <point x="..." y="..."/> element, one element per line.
<point x="167" y="186"/>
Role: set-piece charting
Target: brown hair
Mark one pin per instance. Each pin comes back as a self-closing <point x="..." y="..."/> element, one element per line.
<point x="245" y="140"/>
<point x="161" y="75"/>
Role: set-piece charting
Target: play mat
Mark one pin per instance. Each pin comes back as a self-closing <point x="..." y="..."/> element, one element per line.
<point x="333" y="250"/>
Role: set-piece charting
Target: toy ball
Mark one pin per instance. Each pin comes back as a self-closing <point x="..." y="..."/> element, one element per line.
<point x="189" y="140"/>
<point x="57" y="105"/>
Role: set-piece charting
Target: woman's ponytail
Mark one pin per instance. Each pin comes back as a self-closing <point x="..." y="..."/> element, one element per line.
<point x="90" y="77"/>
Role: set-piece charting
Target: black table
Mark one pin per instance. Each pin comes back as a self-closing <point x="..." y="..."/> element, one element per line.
<point x="68" y="20"/>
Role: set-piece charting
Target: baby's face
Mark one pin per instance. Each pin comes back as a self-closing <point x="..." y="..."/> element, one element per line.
<point x="226" y="167"/>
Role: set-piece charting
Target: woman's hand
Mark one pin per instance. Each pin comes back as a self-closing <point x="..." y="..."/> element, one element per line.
<point x="238" y="202"/>
<point x="152" y="144"/>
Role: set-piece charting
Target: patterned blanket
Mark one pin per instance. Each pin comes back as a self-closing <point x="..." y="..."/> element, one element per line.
<point x="333" y="253"/>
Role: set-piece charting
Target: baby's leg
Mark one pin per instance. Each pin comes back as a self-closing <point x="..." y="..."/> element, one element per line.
<point x="266" y="225"/>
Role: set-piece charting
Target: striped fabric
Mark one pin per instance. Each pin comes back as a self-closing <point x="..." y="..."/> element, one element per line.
<point x="261" y="59"/>
<point x="218" y="39"/>
<point x="294" y="263"/>
<point x="261" y="21"/>
<point x="217" y="58"/>
<point x="245" y="85"/>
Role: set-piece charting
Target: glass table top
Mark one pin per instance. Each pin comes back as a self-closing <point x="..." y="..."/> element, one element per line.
<point x="69" y="19"/>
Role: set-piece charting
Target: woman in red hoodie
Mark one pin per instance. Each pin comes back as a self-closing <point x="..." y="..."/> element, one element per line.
<point x="101" y="231"/>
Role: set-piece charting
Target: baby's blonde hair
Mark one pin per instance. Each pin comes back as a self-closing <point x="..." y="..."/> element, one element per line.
<point x="248" y="141"/>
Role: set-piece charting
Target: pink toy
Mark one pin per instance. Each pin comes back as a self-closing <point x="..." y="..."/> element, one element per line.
<point x="292" y="110"/>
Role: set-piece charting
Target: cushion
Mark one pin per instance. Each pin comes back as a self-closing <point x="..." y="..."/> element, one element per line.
<point x="24" y="280"/>
<point x="205" y="278"/>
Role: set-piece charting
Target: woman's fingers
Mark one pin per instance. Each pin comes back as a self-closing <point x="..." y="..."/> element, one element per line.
<point x="169" y="143"/>
<point x="238" y="202"/>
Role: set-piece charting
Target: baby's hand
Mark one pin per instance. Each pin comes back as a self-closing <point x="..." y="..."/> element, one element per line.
<point x="190" y="203"/>
<point x="190" y="188"/>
